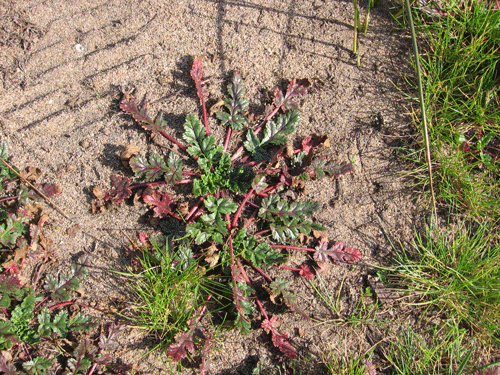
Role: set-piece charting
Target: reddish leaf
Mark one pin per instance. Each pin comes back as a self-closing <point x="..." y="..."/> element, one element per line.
<point x="306" y="271"/>
<point x="338" y="253"/>
<point x="121" y="189"/>
<point x="10" y="283"/>
<point x="162" y="207"/>
<point x="267" y="324"/>
<point x="49" y="190"/>
<point x="130" y="106"/>
<point x="143" y="237"/>
<point x="280" y="341"/>
<point x="370" y="368"/>
<point x="197" y="76"/>
<point x="293" y="91"/>
<point x="183" y="343"/>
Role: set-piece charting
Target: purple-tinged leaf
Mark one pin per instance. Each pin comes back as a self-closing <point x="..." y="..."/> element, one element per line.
<point x="108" y="342"/>
<point x="370" y="368"/>
<point x="319" y="167"/>
<point x="197" y="76"/>
<point x="279" y="340"/>
<point x="130" y="106"/>
<point x="121" y="189"/>
<point x="289" y="102"/>
<point x="162" y="204"/>
<point x="338" y="253"/>
<point x="7" y="367"/>
<point x="152" y="169"/>
<point x="9" y="284"/>
<point x="183" y="344"/>
<point x="49" y="190"/>
<point x="306" y="271"/>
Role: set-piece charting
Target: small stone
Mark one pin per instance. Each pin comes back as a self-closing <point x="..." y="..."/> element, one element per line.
<point x="85" y="144"/>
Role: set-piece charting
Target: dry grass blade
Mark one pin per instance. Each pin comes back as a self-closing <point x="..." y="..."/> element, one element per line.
<point x="422" y="107"/>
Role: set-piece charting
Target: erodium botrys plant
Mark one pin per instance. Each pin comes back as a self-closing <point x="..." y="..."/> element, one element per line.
<point x="238" y="219"/>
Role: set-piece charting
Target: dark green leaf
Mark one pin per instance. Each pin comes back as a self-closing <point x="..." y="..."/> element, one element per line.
<point x="37" y="365"/>
<point x="152" y="169"/>
<point x="273" y="206"/>
<point x="235" y="104"/>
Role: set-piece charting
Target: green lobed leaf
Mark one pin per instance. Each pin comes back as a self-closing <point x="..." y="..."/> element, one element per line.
<point x="274" y="206"/>
<point x="66" y="281"/>
<point x="201" y="144"/>
<point x="274" y="134"/>
<point x="240" y="179"/>
<point x="152" y="168"/>
<point x="20" y="319"/>
<point x="78" y="322"/>
<point x="235" y="104"/>
<point x="37" y="365"/>
<point x="202" y="232"/>
<point x="281" y="231"/>
<point x="45" y="326"/>
<point x="11" y="229"/>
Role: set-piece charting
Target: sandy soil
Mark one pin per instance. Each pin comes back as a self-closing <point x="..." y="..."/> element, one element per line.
<point x="62" y="77"/>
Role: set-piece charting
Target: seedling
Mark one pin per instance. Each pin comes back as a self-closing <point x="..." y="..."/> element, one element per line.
<point x="238" y="214"/>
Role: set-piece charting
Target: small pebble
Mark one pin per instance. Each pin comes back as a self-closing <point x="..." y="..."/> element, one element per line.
<point x="85" y="143"/>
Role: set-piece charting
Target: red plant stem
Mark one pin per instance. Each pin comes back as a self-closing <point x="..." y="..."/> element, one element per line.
<point x="176" y="216"/>
<point x="62" y="304"/>
<point x="195" y="207"/>
<point x="259" y="270"/>
<point x="253" y="204"/>
<point x="189" y="173"/>
<point x="205" y="115"/>
<point x="262" y="232"/>
<point x="290" y="247"/>
<point x="240" y="208"/>
<point x="173" y="140"/>
<point x="251" y="218"/>
<point x="9" y="198"/>
<point x="261" y="307"/>
<point x="228" y="137"/>
<point x="251" y="163"/>
<point x="288" y="268"/>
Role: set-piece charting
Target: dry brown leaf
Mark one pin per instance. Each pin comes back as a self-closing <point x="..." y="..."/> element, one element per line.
<point x="289" y="151"/>
<point x="216" y="107"/>
<point x="301" y="332"/>
<point x="30" y="173"/>
<point x="183" y="208"/>
<point x="19" y="254"/>
<point x="128" y="152"/>
<point x="322" y="266"/>
<point x="99" y="192"/>
<point x="97" y="207"/>
<point x="212" y="260"/>
<point x="73" y="230"/>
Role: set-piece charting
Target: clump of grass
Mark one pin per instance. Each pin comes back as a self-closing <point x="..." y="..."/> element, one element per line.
<point x="457" y="273"/>
<point x="462" y="94"/>
<point x="443" y="350"/>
